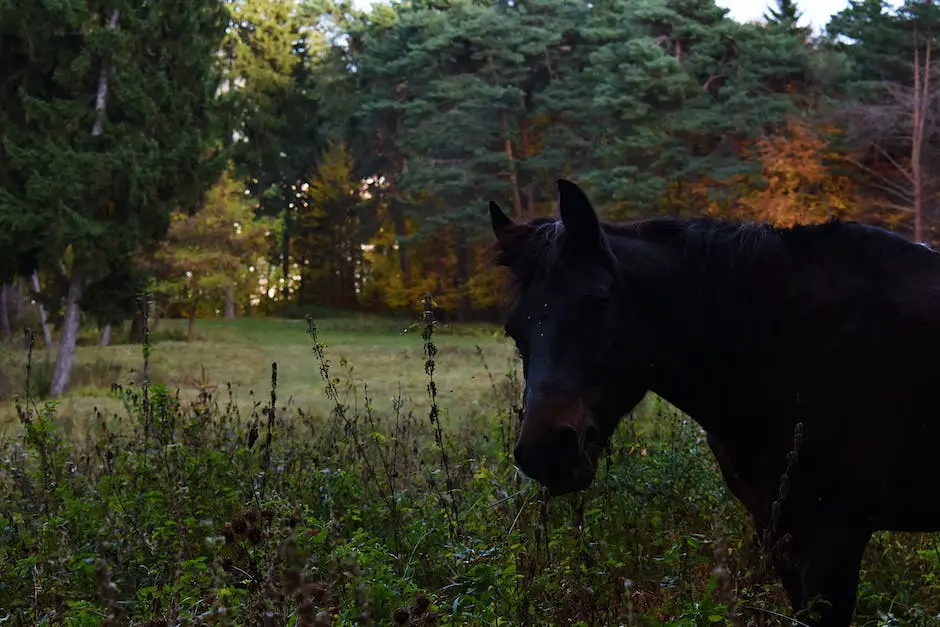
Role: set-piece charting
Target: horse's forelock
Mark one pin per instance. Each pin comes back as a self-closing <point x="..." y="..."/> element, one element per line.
<point x="527" y="248"/>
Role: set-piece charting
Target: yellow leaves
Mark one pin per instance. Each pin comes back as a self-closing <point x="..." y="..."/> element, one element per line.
<point x="334" y="176"/>
<point x="386" y="284"/>
<point x="205" y="255"/>
<point x="799" y="188"/>
<point x="433" y="265"/>
<point x="487" y="286"/>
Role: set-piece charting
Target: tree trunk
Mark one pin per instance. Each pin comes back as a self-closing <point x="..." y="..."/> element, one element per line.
<point x="63" y="364"/>
<point x="136" y="333"/>
<point x="101" y="103"/>
<point x="229" y="313"/>
<point x="303" y="286"/>
<point x="191" y="325"/>
<point x="350" y="267"/>
<point x="401" y="231"/>
<point x="921" y="102"/>
<point x="101" y="98"/>
<point x="513" y="177"/>
<point x="464" y="305"/>
<point x="395" y="209"/>
<point x="524" y="138"/>
<point x="46" y="331"/>
<point x="267" y="293"/>
<point x="5" y="327"/>
<point x="285" y="257"/>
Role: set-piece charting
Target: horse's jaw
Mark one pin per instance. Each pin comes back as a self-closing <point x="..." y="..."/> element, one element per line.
<point x="581" y="478"/>
<point x="582" y="481"/>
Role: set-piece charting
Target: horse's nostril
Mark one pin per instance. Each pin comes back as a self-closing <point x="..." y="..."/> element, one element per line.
<point x="566" y="444"/>
<point x="592" y="436"/>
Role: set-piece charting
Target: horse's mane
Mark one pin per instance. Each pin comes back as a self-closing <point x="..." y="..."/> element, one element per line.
<point x="719" y="247"/>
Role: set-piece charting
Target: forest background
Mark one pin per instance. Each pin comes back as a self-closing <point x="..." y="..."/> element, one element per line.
<point x="265" y="157"/>
<point x="182" y="180"/>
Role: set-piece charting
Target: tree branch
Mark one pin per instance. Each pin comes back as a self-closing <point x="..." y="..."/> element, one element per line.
<point x="887" y="185"/>
<point x="908" y="175"/>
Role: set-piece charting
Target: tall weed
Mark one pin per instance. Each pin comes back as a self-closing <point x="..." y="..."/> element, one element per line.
<point x="206" y="512"/>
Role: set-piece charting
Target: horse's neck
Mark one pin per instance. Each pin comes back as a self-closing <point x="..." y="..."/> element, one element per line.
<point x="715" y="329"/>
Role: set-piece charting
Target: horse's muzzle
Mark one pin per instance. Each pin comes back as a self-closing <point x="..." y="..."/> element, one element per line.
<point x="562" y="459"/>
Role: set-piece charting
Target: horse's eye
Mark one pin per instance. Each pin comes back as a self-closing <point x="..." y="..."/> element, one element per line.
<point x="596" y="302"/>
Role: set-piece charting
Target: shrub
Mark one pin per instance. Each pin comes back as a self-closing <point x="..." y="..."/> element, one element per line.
<point x="206" y="512"/>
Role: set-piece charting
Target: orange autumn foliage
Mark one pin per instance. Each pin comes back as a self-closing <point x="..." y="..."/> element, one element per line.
<point x="799" y="187"/>
<point x="795" y="183"/>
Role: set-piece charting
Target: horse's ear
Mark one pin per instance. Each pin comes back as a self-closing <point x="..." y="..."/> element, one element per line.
<point x="578" y="215"/>
<point x="501" y="222"/>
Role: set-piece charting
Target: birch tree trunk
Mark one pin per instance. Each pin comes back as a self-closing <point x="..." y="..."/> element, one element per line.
<point x="106" y="335"/>
<point x="62" y="370"/>
<point x="43" y="320"/>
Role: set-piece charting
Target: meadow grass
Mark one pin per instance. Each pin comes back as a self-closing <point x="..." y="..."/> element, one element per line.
<point x="199" y="509"/>
<point x="381" y="354"/>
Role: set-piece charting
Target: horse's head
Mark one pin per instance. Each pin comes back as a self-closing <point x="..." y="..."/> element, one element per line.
<point x="563" y="323"/>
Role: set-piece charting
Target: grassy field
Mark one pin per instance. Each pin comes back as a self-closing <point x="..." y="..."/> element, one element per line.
<point x="382" y="357"/>
<point x="198" y="509"/>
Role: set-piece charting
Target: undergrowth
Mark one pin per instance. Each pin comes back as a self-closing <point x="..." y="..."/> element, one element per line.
<point x="209" y="513"/>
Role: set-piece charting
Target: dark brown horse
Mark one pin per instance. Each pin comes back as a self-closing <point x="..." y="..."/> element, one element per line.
<point x="756" y="333"/>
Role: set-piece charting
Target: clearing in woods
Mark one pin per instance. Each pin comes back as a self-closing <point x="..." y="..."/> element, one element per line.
<point x="387" y="355"/>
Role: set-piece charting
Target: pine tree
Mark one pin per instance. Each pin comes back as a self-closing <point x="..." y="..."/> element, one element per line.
<point x="268" y="53"/>
<point x="786" y="15"/>
<point x="681" y="89"/>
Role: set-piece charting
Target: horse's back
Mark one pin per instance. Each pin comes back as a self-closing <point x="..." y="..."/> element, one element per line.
<point x="874" y="316"/>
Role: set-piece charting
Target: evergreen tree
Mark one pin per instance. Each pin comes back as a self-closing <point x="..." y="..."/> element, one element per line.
<point x="268" y="54"/>
<point x="786" y="15"/>
<point x="481" y="100"/>
<point x="682" y="89"/>
<point x="327" y="240"/>
<point x="369" y="102"/>
<point x="112" y="120"/>
<point x="115" y="296"/>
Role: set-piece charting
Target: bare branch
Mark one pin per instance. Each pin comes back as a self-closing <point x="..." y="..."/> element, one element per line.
<point x="908" y="175"/>
<point x="886" y="185"/>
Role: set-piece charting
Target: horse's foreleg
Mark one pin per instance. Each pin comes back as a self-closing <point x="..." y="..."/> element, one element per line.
<point x="828" y="566"/>
<point x="789" y="576"/>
